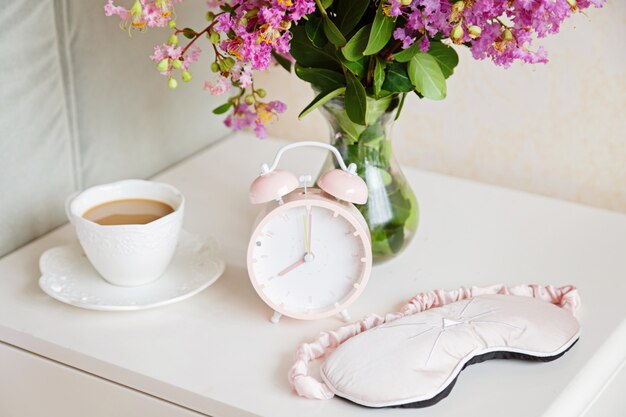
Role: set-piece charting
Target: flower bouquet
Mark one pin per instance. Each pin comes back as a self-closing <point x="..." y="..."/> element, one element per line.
<point x="361" y="57"/>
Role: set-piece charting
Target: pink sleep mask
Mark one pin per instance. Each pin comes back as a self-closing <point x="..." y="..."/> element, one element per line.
<point x="413" y="358"/>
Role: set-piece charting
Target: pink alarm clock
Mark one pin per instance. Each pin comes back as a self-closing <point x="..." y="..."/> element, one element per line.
<point x="309" y="255"/>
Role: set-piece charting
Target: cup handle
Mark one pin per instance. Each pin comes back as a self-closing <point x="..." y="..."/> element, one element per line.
<point x="68" y="202"/>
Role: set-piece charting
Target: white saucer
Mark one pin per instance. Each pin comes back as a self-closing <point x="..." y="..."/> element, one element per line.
<point x="68" y="276"/>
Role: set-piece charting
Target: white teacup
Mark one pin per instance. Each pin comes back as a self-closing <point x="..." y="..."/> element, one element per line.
<point x="130" y="254"/>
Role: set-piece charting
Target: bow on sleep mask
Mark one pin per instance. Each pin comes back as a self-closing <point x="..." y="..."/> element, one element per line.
<point x="412" y="358"/>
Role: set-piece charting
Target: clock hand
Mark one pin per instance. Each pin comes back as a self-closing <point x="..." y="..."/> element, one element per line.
<point x="291" y="267"/>
<point x="308" y="255"/>
<point x="306" y="236"/>
<point x="309" y="234"/>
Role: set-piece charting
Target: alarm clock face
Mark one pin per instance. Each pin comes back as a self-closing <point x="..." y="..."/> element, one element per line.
<point x="309" y="259"/>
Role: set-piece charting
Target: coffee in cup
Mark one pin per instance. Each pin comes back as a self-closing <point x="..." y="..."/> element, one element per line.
<point x="128" y="211"/>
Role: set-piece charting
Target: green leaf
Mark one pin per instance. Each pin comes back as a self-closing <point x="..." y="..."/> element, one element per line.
<point x="373" y="133"/>
<point x="322" y="78"/>
<point x="397" y="79"/>
<point x="222" y="109"/>
<point x="380" y="245"/>
<point x="389" y="237"/>
<point x="333" y="33"/>
<point x="446" y="57"/>
<point x="308" y="55"/>
<point x="358" y="68"/>
<point x="406" y="54"/>
<point x="227" y="8"/>
<point x="400" y="106"/>
<point x="314" y="29"/>
<point x="380" y="33"/>
<point x="379" y="76"/>
<point x="326" y="3"/>
<point x="282" y="61"/>
<point x="353" y="51"/>
<point x="376" y="108"/>
<point x="400" y="207"/>
<point x="350" y="131"/>
<point x="356" y="99"/>
<point x="189" y="33"/>
<point x="322" y="98"/>
<point x="426" y="76"/>
<point x="413" y="220"/>
<point x="349" y="13"/>
<point x="226" y="64"/>
<point x="395" y="237"/>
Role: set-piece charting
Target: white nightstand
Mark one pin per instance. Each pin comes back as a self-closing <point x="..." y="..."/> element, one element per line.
<point x="217" y="353"/>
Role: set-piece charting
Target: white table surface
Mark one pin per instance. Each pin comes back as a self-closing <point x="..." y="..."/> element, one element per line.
<point x="218" y="354"/>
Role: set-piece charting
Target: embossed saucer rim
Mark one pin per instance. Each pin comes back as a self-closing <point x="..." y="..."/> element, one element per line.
<point x="185" y="237"/>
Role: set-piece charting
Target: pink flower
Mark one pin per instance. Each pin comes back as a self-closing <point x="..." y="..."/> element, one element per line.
<point x="266" y="32"/>
<point x="192" y="55"/>
<point x="396" y="8"/>
<point x="259" y="129"/>
<point x="165" y="51"/>
<point x="300" y="8"/>
<point x="242" y="73"/>
<point x="112" y="10"/>
<point x="400" y="34"/>
<point x="276" y="106"/>
<point x="143" y="13"/>
<point x="528" y="19"/>
<point x="219" y="87"/>
<point x="256" y="117"/>
<point x="242" y="118"/>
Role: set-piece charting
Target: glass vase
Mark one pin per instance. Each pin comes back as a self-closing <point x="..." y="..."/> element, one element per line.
<point x="391" y="210"/>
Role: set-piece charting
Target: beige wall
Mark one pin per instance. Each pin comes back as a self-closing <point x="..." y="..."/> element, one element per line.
<point x="556" y="129"/>
<point x="81" y="104"/>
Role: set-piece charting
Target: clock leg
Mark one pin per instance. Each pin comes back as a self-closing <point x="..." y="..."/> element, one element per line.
<point x="275" y="317"/>
<point x="344" y="315"/>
